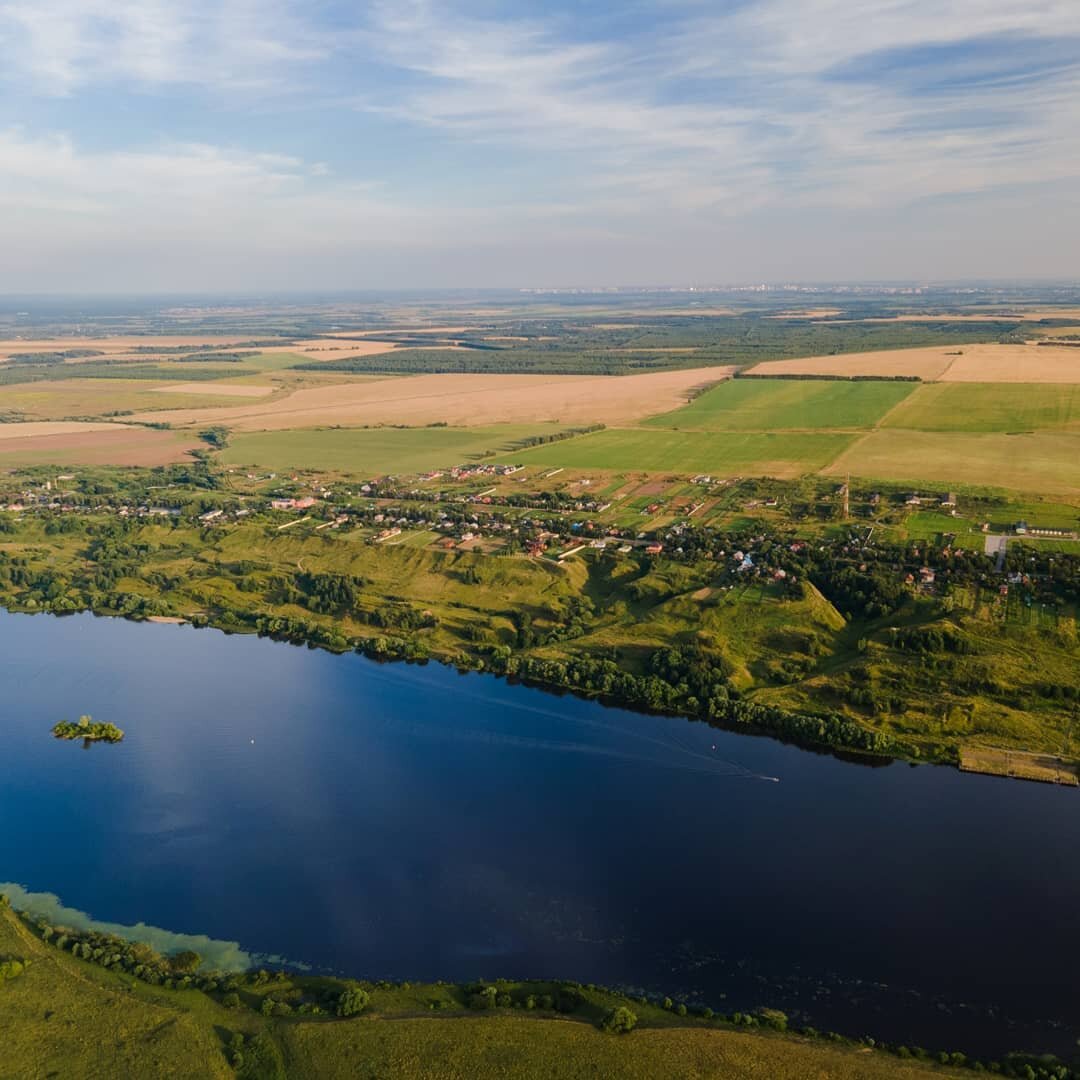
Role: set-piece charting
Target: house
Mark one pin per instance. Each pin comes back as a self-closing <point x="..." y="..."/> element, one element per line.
<point x="949" y="501"/>
<point x="913" y="500"/>
<point x="211" y="515"/>
<point x="654" y="548"/>
<point x="926" y="576"/>
<point x="281" y="504"/>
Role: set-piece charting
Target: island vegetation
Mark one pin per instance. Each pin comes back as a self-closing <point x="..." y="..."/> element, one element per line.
<point x="88" y="730"/>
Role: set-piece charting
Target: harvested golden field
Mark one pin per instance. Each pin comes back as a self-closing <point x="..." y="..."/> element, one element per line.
<point x="1007" y="315"/>
<point x="70" y="443"/>
<point x="1047" y="462"/>
<point x="149" y="348"/>
<point x="1015" y="363"/>
<point x="951" y="363"/>
<point x="928" y="362"/>
<point x="464" y="400"/>
<point x="113" y="345"/>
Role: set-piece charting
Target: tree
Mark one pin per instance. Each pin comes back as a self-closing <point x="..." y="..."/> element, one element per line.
<point x="620" y="1020"/>
<point x="352" y="1001"/>
<point x="186" y="961"/>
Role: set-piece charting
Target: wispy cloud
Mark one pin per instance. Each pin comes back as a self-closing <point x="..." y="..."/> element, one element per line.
<point x="65" y="45"/>
<point x="676" y="118"/>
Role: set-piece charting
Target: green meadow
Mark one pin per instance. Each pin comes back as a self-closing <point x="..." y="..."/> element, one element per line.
<point x="781" y="454"/>
<point x="1045" y="462"/>
<point x="989" y="407"/>
<point x="787" y="404"/>
<point x="365" y="451"/>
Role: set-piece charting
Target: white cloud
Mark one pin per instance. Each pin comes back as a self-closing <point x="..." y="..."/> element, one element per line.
<point x="639" y="149"/>
<point x="64" y="45"/>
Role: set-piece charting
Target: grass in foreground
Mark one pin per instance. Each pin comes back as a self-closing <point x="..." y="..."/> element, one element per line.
<point x="69" y="1017"/>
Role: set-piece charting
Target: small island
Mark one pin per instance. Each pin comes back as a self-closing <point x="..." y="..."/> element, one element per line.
<point x="88" y="731"/>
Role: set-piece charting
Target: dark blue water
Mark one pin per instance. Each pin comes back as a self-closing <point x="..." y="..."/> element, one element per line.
<point x="411" y="822"/>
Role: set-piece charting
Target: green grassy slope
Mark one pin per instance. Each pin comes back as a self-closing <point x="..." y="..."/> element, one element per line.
<point x="65" y="1017"/>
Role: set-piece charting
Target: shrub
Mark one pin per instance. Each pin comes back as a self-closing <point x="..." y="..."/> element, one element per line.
<point x="620" y="1020"/>
<point x="10" y="968"/>
<point x="352" y="1001"/>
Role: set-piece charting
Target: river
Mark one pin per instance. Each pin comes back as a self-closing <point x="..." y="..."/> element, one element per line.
<point x="410" y="822"/>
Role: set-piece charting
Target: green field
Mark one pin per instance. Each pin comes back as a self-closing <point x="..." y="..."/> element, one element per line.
<point x="1039" y="463"/>
<point x="365" y="451"/>
<point x="722" y="453"/>
<point x="989" y="407"/>
<point x="787" y="404"/>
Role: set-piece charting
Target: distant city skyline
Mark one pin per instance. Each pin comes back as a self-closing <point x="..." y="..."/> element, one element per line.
<point x="272" y="145"/>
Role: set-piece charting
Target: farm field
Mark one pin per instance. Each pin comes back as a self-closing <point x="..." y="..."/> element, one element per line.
<point x="772" y="405"/>
<point x="988" y="362"/>
<point x="462" y="400"/>
<point x="100" y="397"/>
<point x="1043" y="462"/>
<point x="1001" y="407"/>
<point x="63" y="443"/>
<point x="374" y="450"/>
<point x="722" y="453"/>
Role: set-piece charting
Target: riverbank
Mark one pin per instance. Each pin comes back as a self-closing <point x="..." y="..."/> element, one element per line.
<point x="816" y="639"/>
<point x="255" y="1026"/>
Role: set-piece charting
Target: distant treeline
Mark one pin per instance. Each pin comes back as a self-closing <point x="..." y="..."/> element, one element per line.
<point x="555" y="436"/>
<point x="53" y="357"/>
<point x="105" y="369"/>
<point x="808" y="377"/>
<point x="162" y="350"/>
<point x="210" y="357"/>
<point x="558" y="346"/>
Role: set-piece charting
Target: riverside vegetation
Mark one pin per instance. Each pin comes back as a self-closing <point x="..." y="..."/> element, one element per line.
<point x="82" y="1001"/>
<point x="791" y="625"/>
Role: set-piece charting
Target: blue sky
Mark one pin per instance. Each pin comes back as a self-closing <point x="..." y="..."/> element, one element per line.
<point x="257" y="144"/>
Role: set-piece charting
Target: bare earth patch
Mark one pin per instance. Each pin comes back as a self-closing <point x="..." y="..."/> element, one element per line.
<point x="464" y="401"/>
<point x="215" y="389"/>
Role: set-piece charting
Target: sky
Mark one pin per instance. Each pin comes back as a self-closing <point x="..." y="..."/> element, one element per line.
<point x="237" y="145"/>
